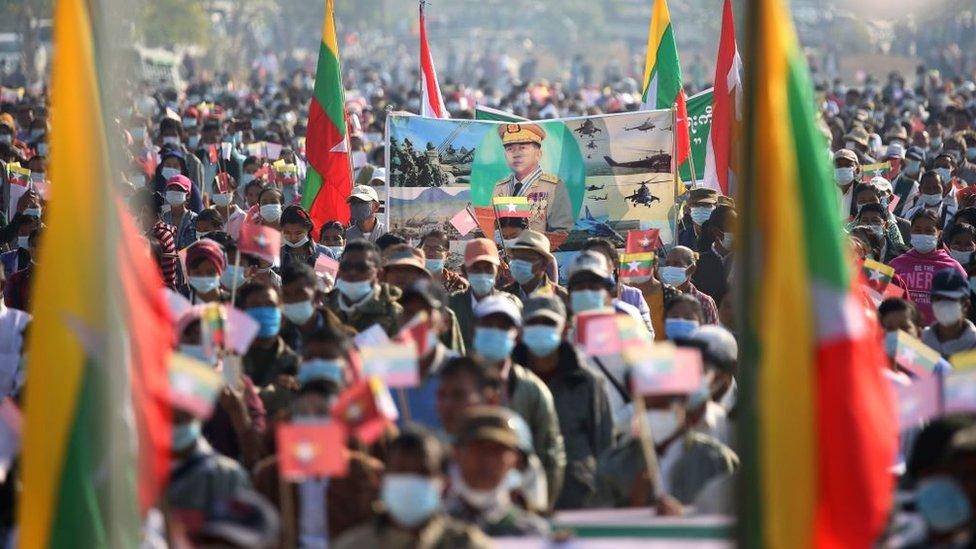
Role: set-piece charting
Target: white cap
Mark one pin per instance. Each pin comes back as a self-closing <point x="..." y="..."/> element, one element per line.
<point x="895" y="150"/>
<point x="881" y="184"/>
<point x="720" y="342"/>
<point x="379" y="174"/>
<point x="499" y="304"/>
<point x="364" y="192"/>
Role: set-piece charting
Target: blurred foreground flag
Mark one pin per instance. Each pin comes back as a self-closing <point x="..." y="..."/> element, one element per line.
<point x="821" y="434"/>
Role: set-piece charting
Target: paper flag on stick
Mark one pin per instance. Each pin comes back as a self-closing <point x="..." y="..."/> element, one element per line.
<point x="639" y="242"/>
<point x="312" y="450"/>
<point x="464" y="222"/>
<point x="394" y="363"/>
<point x="664" y="369"/>
<point x="193" y="385"/>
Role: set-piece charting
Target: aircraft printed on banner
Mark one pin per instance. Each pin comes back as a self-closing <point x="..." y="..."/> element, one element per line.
<point x="646" y="126"/>
<point x="595" y="188"/>
<point x="588" y="129"/>
<point x="656" y="163"/>
<point x="597" y="226"/>
<point x="642" y="196"/>
<point x="598" y="198"/>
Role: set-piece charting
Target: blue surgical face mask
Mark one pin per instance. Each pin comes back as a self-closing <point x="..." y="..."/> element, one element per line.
<point x="360" y="211"/>
<point x="912" y="167"/>
<point x="194" y="351"/>
<point x="942" y="503"/>
<point x="679" y="328"/>
<point x="924" y="243"/>
<point x="843" y="176"/>
<point x="167" y="173"/>
<point x="930" y="199"/>
<point x="587" y="300"/>
<point x="268" y="319"/>
<point x="410" y="499"/>
<point x="522" y="271"/>
<point x="185" y="435"/>
<point x="945" y="173"/>
<point x="233" y="275"/>
<point x="674" y="276"/>
<point x="541" y="340"/>
<point x="193" y="141"/>
<point x="962" y="257"/>
<point x="298" y="313"/>
<point x="434" y="265"/>
<point x="354" y="291"/>
<point x="32" y="212"/>
<point x="204" y="284"/>
<point x="494" y="344"/>
<point x="336" y="250"/>
<point x="481" y="283"/>
<point x="321" y="368"/>
<point x="700" y="214"/>
<point x="971" y="153"/>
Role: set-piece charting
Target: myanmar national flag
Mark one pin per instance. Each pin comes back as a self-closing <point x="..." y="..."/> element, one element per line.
<point x="636" y="265"/>
<point x="878" y="274"/>
<point x="818" y="431"/>
<point x="97" y="418"/>
<point x="328" y="181"/>
<point x="512" y="206"/>
<point x="662" y="77"/>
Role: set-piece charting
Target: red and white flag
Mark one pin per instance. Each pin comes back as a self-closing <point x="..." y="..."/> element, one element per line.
<point x="431" y="101"/>
<point x="726" y="110"/>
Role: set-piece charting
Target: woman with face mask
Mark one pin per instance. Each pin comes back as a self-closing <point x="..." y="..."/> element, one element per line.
<point x="926" y="256"/>
<point x="205" y="263"/>
<point x="172" y="163"/>
<point x="224" y="203"/>
<point x="269" y="208"/>
<point x="333" y="236"/>
<point x="297" y="244"/>
<point x="952" y="332"/>
<point x="184" y="220"/>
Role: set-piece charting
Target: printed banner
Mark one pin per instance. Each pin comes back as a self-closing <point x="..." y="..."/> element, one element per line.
<point x="583" y="177"/>
<point x="700" y="124"/>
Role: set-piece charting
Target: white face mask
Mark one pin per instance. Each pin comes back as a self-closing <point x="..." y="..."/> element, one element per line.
<point x="663" y="424"/>
<point x="221" y="199"/>
<point x="947" y="313"/>
<point x="483" y="500"/>
<point x="22" y="242"/>
<point x="167" y="173"/>
<point x="303" y="241"/>
<point x="674" y="276"/>
<point x="175" y="198"/>
<point x="843" y="176"/>
<point x="171" y="140"/>
<point x="270" y="212"/>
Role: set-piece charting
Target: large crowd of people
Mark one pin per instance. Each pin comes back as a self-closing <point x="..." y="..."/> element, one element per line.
<point x="511" y="421"/>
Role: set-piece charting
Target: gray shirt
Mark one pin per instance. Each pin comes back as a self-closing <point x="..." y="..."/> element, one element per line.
<point x="355" y="233"/>
<point x="965" y="341"/>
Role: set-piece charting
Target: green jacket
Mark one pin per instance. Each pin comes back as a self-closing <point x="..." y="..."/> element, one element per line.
<point x="203" y="479"/>
<point x="380" y="308"/>
<point x="529" y="397"/>
<point x="460" y="305"/>
<point x="703" y="459"/>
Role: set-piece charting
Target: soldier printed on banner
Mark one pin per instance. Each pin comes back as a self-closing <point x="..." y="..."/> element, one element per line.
<point x="551" y="208"/>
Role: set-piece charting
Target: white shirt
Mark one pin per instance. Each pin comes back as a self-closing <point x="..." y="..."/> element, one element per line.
<point x="12" y="324"/>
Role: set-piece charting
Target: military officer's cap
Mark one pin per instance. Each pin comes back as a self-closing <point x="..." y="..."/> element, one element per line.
<point x="521" y="133"/>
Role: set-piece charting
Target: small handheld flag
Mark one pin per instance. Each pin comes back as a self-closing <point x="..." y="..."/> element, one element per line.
<point x="193" y="385"/>
<point x="878" y="274"/>
<point x="635" y="266"/>
<point x="911" y="354"/>
<point x="512" y="206"/>
<point x="395" y="364"/>
<point x="664" y="369"/>
<point x="260" y="241"/>
<point x="639" y="242"/>
<point x="312" y="450"/>
<point x="366" y="408"/>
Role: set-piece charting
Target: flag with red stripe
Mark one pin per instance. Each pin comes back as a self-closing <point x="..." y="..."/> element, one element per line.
<point x="431" y="100"/>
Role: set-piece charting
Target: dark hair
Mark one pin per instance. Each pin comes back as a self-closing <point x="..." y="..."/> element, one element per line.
<point x="897" y="305"/>
<point x="249" y="288"/>
<point x="268" y="190"/>
<point x="360" y="245"/>
<point x="224" y="240"/>
<point x="169" y="123"/>
<point x="298" y="271"/>
<point x="295" y="215"/>
<point x="959" y="228"/>
<point x="483" y="377"/>
<point x="597" y="243"/>
<point x="249" y="161"/>
<point x="417" y="440"/>
<point x="211" y="215"/>
<point x="861" y="187"/>
<point x="927" y="214"/>
<point x="967" y="215"/>
<point x="684" y="298"/>
<point x="332" y="226"/>
<point x="389" y="239"/>
<point x="330" y="335"/>
<point x="436" y="233"/>
<point x="875" y="207"/>
<point x="930" y="173"/>
<point x="933" y="443"/>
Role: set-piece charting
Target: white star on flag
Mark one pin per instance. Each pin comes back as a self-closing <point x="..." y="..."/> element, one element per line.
<point x="907" y="355"/>
<point x="260" y="240"/>
<point x="646" y="242"/>
<point x="512" y="207"/>
<point x="875" y="276"/>
<point x="633" y="266"/>
<point x="305" y="451"/>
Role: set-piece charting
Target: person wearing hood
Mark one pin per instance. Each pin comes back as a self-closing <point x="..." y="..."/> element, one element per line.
<point x="952" y="332"/>
<point x="926" y="257"/>
<point x="171" y="136"/>
<point x="171" y="164"/>
<point x="176" y="192"/>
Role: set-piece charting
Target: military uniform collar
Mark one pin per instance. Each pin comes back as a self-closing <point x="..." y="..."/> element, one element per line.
<point x="527" y="182"/>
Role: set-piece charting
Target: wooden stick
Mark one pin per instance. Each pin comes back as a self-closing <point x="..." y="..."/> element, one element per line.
<point x="645" y="437"/>
<point x="287" y="512"/>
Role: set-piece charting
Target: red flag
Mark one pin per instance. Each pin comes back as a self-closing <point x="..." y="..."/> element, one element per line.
<point x="147" y="315"/>
<point x="366" y="408"/>
<point x="431" y="102"/>
<point x="260" y="241"/>
<point x="643" y="241"/>
<point x="726" y="109"/>
<point x="416" y="332"/>
<point x="682" y="130"/>
<point x="312" y="450"/>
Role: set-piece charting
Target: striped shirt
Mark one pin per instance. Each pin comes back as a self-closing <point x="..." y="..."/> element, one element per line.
<point x="165" y="234"/>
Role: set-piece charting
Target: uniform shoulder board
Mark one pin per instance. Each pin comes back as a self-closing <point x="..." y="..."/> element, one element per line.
<point x="549" y="178"/>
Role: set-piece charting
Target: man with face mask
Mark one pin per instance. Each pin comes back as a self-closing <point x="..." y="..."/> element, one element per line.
<point x="481" y="266"/>
<point x="496" y="329"/>
<point x="269" y="360"/>
<point x="411" y="514"/>
<point x="701" y="203"/>
<point x="678" y="269"/>
<point x="177" y="191"/>
<point x="425" y="298"/>
<point x="301" y="306"/>
<point x="363" y="205"/>
<point x="579" y="394"/>
<point x="359" y="299"/>
<point x="200" y="478"/>
<point x="905" y="186"/>
<point x="687" y="460"/>
<point x="171" y="136"/>
<point x="486" y="453"/>
<point x="966" y="167"/>
<point x="530" y="262"/>
<point x="952" y="332"/>
<point x="847" y="172"/>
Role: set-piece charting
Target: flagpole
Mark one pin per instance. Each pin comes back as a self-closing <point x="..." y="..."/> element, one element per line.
<point x="644" y="435"/>
<point x="233" y="285"/>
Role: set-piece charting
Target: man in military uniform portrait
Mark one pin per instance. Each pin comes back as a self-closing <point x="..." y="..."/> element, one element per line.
<point x="551" y="209"/>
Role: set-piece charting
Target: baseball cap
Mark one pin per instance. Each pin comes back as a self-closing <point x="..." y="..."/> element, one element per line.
<point x="703" y="196"/>
<point x="915" y="153"/>
<point x="181" y="181"/>
<point x="364" y="192"/>
<point x="846" y="154"/>
<point x="949" y="283"/>
<point x="545" y="306"/>
<point x="406" y="255"/>
<point x="378" y="174"/>
<point x="895" y="150"/>
<point x="480" y="249"/>
<point x="492" y="423"/>
<point x="721" y="348"/>
<point x="591" y="262"/>
<point x="498" y="304"/>
<point x="881" y="184"/>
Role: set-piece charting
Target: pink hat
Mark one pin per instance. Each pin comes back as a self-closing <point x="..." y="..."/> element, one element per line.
<point x="181" y="181"/>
